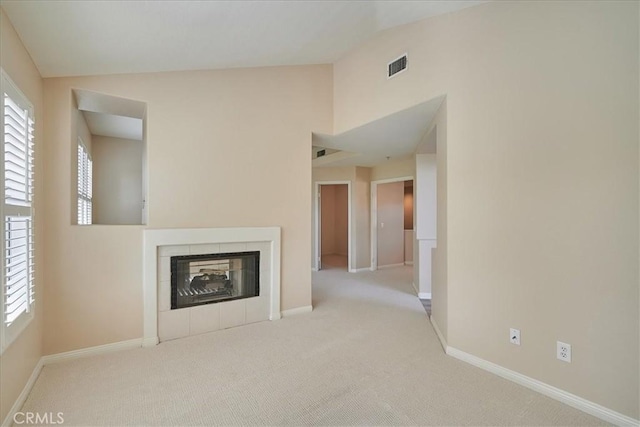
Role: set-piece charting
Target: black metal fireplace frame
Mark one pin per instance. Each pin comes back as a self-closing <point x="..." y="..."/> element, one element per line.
<point x="226" y="255"/>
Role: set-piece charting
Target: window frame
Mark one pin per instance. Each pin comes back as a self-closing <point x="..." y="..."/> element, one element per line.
<point x="9" y="333"/>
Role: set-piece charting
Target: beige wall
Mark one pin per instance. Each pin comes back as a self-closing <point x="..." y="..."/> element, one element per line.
<point x="20" y="358"/>
<point x="117" y="181"/>
<point x="224" y="131"/>
<point x="362" y="218"/>
<point x="439" y="285"/>
<point x="542" y="179"/>
<point x="394" y="169"/>
<point x="390" y="226"/>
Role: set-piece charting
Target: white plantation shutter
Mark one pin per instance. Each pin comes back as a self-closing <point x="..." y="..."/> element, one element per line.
<point x="18" y="266"/>
<point x="85" y="185"/>
<point x="19" y="292"/>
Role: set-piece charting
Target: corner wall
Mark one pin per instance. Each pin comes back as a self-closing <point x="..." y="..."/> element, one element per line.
<point x="542" y="179"/>
<point x="21" y="357"/>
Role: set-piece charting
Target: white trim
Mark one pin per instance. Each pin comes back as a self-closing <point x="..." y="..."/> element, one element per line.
<point x="297" y="310"/>
<point x="389" y="180"/>
<point x="317" y="224"/>
<point x="565" y="397"/>
<point x="150" y="342"/>
<point x="153" y="238"/>
<point x="359" y="270"/>
<point x="443" y="342"/>
<point x="92" y="351"/>
<point x="374" y="215"/>
<point x="380" y="267"/>
<point x="424" y="295"/>
<point x="315" y="270"/>
<point x="414" y="287"/>
<point x="8" y="420"/>
<point x="408" y="263"/>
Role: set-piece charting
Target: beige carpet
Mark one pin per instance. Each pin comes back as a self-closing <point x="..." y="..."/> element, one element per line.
<point x="366" y="355"/>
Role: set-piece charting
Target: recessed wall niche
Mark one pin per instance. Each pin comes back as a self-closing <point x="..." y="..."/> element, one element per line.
<point x="109" y="151"/>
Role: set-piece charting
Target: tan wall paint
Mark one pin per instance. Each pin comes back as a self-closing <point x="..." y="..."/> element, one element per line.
<point x="205" y="131"/>
<point x="362" y="217"/>
<point x="117" y="180"/>
<point x="20" y="358"/>
<point x="542" y="179"/>
<point x="439" y="285"/>
<point x="394" y="169"/>
<point x="390" y="226"/>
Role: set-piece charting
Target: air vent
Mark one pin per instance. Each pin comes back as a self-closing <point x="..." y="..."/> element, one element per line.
<point x="397" y="66"/>
<point x="321" y="153"/>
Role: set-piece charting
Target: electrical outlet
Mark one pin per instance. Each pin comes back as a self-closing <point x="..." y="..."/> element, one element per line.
<point x="514" y="336"/>
<point x="564" y="351"/>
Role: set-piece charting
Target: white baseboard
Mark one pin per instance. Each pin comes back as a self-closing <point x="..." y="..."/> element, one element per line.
<point x="69" y="355"/>
<point x="150" y="342"/>
<point x="443" y="342"/>
<point x="23" y="395"/>
<point x="380" y="267"/>
<point x="408" y="263"/>
<point x="314" y="269"/>
<point x="92" y="351"/>
<point x="415" y="288"/>
<point x="358" y="270"/>
<point x="565" y="397"/>
<point x="424" y="295"/>
<point x="296" y="311"/>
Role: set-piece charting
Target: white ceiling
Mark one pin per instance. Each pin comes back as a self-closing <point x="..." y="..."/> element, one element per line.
<point x="111" y="116"/>
<point x="113" y="126"/>
<point x="70" y="38"/>
<point x="396" y="136"/>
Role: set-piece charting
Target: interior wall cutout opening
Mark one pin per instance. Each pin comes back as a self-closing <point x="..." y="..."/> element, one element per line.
<point x="111" y="133"/>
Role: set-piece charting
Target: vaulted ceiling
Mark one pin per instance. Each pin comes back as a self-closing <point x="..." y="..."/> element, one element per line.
<point x="71" y="38"/>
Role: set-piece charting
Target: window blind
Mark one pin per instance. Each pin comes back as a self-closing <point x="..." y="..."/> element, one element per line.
<point x="18" y="234"/>
<point x="85" y="185"/>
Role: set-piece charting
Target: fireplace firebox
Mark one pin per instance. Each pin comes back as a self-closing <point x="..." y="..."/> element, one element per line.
<point x="213" y="278"/>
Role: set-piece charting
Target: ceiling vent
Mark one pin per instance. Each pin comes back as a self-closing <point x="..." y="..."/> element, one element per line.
<point x="397" y="66"/>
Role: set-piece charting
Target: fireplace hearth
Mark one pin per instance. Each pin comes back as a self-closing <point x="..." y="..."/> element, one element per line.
<point x="213" y="278"/>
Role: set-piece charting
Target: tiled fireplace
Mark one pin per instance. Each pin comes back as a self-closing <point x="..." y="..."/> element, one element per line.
<point x="223" y="277"/>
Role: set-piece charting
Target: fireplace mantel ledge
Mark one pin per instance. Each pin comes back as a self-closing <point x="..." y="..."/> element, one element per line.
<point x="153" y="238"/>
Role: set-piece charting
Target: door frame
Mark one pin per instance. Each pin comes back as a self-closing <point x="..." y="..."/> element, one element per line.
<point x="374" y="213"/>
<point x="318" y="224"/>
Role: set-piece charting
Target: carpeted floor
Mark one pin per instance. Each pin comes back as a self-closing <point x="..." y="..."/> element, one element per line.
<point x="366" y="355"/>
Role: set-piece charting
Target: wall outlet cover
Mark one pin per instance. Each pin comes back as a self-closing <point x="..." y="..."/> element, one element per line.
<point x="514" y="336"/>
<point x="563" y="351"/>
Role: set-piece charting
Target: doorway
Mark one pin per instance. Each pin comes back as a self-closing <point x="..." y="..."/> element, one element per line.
<point x="391" y="222"/>
<point x="333" y="213"/>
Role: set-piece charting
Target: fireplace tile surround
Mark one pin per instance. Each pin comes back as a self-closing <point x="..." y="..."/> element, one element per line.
<point x="160" y="245"/>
